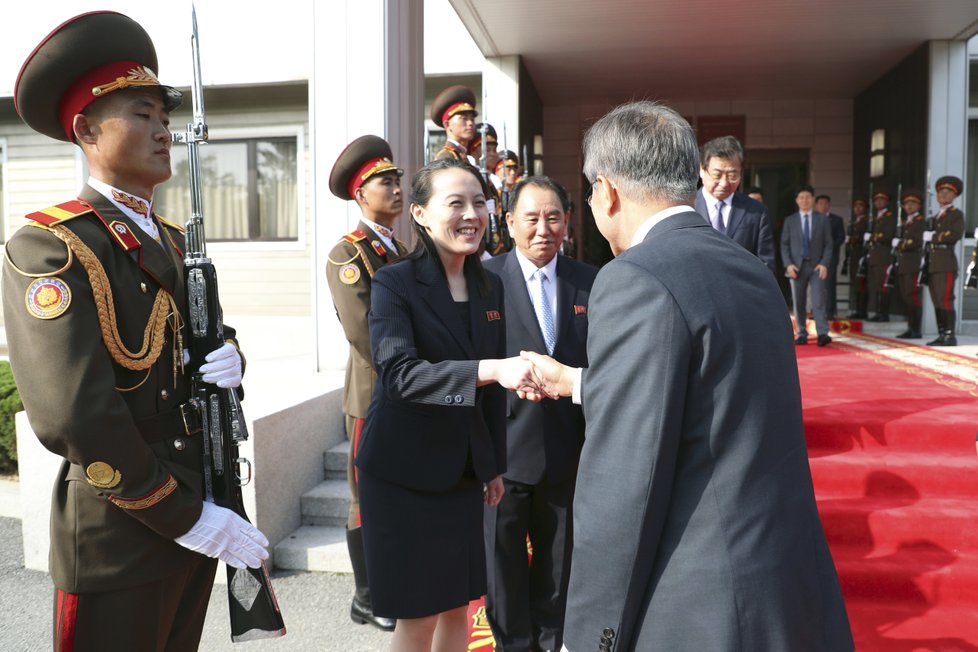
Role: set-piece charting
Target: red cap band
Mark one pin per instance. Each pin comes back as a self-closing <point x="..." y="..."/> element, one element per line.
<point x="367" y="170"/>
<point x="97" y="83"/>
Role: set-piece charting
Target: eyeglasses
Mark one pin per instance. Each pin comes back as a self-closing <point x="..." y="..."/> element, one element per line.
<point x="590" y="192"/>
<point x="732" y="176"/>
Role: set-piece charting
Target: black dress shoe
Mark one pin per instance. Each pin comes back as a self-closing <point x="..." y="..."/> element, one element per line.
<point x="949" y="340"/>
<point x="909" y="335"/>
<point x="363" y="615"/>
<point x="879" y="318"/>
<point x="938" y="341"/>
<point x="801" y="339"/>
<point x="824" y="340"/>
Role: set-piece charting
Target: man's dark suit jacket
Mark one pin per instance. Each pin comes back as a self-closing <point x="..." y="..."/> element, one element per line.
<point x="426" y="413"/>
<point x="545" y="438"/>
<point x="838" y="225"/>
<point x="695" y="526"/>
<point x="747" y="224"/>
<point x="820" y="241"/>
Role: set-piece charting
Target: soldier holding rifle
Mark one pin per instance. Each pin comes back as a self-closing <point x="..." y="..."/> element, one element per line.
<point x="943" y="265"/>
<point x="858" y="226"/>
<point x="880" y="239"/>
<point x="910" y="248"/>
<point x="96" y="314"/>
<point x="454" y="109"/>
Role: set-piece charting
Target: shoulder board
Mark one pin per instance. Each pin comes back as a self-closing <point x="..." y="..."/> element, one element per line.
<point x="355" y="236"/>
<point x="173" y="225"/>
<point x="60" y="213"/>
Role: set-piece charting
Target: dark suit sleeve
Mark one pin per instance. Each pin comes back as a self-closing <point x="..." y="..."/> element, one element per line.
<point x="494" y="395"/>
<point x="838" y="231"/>
<point x="765" y="241"/>
<point x="633" y="395"/>
<point x="404" y="375"/>
<point x="826" y="258"/>
<point x="786" y="243"/>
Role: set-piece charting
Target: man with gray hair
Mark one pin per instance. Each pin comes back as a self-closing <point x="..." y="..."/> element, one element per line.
<point x="740" y="218"/>
<point x="695" y="526"/>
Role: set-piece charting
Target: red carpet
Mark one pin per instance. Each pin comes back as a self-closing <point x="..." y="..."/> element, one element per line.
<point x="891" y="435"/>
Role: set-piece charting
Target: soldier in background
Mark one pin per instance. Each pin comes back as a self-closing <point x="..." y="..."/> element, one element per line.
<point x="911" y="247"/>
<point x="366" y="174"/>
<point x="879" y="242"/>
<point x="838" y="227"/>
<point x="508" y="169"/>
<point x="454" y="109"/>
<point x="948" y="229"/>
<point x="858" y="227"/>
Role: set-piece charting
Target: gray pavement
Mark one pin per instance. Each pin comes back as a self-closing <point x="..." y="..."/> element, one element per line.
<point x="315" y="606"/>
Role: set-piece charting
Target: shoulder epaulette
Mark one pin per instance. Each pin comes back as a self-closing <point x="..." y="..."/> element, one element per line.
<point x="355" y="236"/>
<point x="172" y="225"/>
<point x="60" y="213"/>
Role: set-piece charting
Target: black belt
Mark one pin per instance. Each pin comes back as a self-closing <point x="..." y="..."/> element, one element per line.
<point x="941" y="246"/>
<point x="178" y="422"/>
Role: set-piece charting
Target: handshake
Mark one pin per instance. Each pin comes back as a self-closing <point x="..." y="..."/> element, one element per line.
<point x="535" y="377"/>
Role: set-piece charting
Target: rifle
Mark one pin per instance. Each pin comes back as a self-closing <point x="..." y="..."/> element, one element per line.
<point x="923" y="275"/>
<point x="893" y="268"/>
<point x="863" y="270"/>
<point x="491" y="236"/>
<point x="253" y="608"/>
<point x="845" y="261"/>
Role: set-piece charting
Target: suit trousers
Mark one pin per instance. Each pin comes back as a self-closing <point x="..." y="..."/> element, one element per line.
<point x="807" y="276"/>
<point x="525" y="603"/>
<point x="163" y="616"/>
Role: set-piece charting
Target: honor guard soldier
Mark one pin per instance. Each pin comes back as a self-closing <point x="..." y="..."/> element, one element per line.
<point x="497" y="238"/>
<point x="911" y="247"/>
<point x="859" y="225"/>
<point x="96" y="313"/>
<point x="491" y="146"/>
<point x="454" y="109"/>
<point x="941" y="240"/>
<point x="880" y="239"/>
<point x="508" y="169"/>
<point x="364" y="173"/>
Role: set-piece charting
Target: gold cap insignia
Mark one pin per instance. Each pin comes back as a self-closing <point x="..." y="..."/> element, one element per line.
<point x="103" y="476"/>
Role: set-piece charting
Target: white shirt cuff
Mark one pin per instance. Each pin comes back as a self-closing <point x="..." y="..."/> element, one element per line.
<point x="576" y="391"/>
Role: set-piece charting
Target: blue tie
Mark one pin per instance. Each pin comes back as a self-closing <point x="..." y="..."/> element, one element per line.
<point x="545" y="315"/>
<point x="806" y="239"/>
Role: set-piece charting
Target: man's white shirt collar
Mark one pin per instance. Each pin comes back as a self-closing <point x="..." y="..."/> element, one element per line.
<point x="529" y="269"/>
<point x="647" y="225"/>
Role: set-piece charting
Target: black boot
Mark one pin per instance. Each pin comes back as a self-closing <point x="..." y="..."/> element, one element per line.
<point x="361" y="610"/>
<point x="939" y="317"/>
<point x="913" y="324"/>
<point x="883" y="308"/>
<point x="949" y="338"/>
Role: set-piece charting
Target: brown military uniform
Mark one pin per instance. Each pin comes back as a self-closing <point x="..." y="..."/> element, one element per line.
<point x="451" y="150"/>
<point x="857" y="250"/>
<point x="352" y="263"/>
<point x="910" y="255"/>
<point x="95" y="313"/>
<point x="884" y="230"/>
<point x="948" y="229"/>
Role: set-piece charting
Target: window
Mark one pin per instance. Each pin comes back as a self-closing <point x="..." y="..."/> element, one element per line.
<point x="249" y="189"/>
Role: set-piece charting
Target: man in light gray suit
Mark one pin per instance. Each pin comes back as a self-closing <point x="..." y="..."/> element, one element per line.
<point x="806" y="249"/>
<point x="695" y="526"/>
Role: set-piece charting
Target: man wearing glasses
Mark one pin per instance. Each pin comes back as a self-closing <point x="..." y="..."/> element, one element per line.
<point x="732" y="213"/>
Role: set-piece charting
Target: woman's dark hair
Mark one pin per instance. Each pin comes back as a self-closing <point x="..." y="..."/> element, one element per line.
<point x="421" y="189"/>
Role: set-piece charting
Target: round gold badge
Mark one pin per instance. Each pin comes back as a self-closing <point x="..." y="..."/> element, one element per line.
<point x="102" y="475"/>
<point x="349" y="274"/>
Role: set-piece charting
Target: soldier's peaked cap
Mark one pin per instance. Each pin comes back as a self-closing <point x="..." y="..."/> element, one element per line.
<point x="364" y="158"/>
<point x="953" y="183"/>
<point x="912" y="194"/>
<point x="452" y="100"/>
<point x="83" y="59"/>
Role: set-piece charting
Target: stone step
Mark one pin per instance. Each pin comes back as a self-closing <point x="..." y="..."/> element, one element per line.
<point x="314" y="548"/>
<point x="335" y="460"/>
<point x="328" y="503"/>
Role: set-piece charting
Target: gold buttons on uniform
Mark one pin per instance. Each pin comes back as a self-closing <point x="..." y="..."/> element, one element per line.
<point x="178" y="444"/>
<point x="164" y="394"/>
<point x="142" y="286"/>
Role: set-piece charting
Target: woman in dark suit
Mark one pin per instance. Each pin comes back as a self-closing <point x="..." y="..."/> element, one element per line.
<point x="434" y="446"/>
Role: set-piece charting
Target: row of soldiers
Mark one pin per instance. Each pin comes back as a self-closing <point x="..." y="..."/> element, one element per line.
<point x="477" y="143"/>
<point x="886" y="253"/>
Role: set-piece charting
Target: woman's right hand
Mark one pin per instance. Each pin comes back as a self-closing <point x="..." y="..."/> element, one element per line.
<point x="512" y="373"/>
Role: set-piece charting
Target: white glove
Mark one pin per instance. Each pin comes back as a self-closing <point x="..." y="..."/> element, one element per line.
<point x="221" y="533"/>
<point x="895" y="242"/>
<point x="867" y="236"/>
<point x="928" y="236"/>
<point x="223" y="367"/>
<point x="846" y="241"/>
<point x="976" y="233"/>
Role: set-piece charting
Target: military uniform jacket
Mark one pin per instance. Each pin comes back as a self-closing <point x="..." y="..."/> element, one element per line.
<point x="884" y="230"/>
<point x="859" y="227"/>
<point x="948" y="229"/>
<point x="352" y="263"/>
<point x="911" y="245"/>
<point x="451" y="150"/>
<point x="125" y="491"/>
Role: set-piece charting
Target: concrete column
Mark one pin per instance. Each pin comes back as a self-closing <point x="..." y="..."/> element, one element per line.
<point x="500" y="103"/>
<point x="368" y="78"/>
<point x="946" y="139"/>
